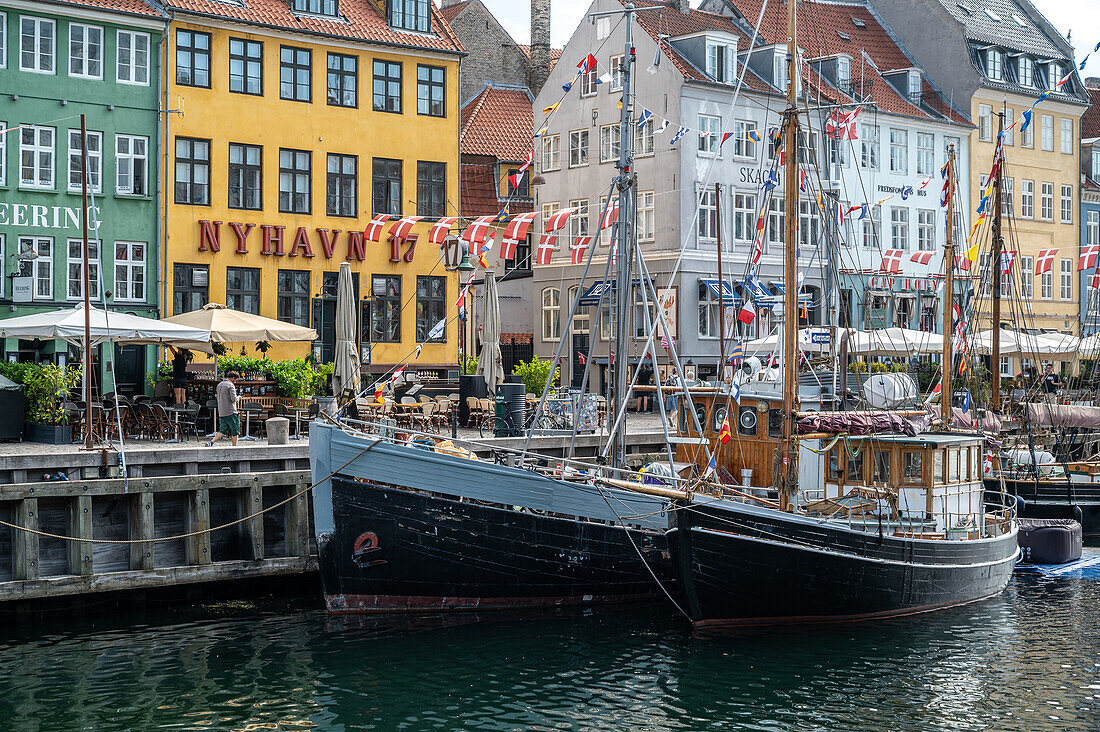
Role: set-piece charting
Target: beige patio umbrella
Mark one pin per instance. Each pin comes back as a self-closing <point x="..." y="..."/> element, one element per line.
<point x="490" y="364"/>
<point x="233" y="326"/>
<point x="345" y="373"/>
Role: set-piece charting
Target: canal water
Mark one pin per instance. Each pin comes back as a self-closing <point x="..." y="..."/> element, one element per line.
<point x="1026" y="660"/>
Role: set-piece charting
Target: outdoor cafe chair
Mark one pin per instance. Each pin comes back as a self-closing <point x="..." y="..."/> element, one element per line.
<point x="476" y="412"/>
<point x="426" y="418"/>
<point x="442" y="413"/>
<point x="251" y="411"/>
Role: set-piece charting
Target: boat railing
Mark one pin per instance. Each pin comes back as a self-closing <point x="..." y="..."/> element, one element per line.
<point x="560" y="468"/>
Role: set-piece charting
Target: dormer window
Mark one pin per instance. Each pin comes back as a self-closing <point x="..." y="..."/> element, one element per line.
<point x="722" y="62"/>
<point x="1054" y="74"/>
<point x="1025" y="71"/>
<point x="779" y="70"/>
<point x="995" y="64"/>
<point x="913" y="82"/>
<point x="844" y="74"/>
<point x="316" y="7"/>
<point x="992" y="16"/>
<point x="411" y="15"/>
<point x="1096" y="162"/>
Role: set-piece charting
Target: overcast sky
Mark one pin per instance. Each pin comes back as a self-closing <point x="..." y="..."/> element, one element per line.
<point x="1082" y="17"/>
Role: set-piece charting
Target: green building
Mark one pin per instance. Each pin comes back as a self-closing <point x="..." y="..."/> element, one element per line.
<point x="60" y="59"/>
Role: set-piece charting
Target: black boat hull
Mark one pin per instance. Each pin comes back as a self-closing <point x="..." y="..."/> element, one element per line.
<point x="743" y="565"/>
<point x="401" y="550"/>
<point x="1053" y="499"/>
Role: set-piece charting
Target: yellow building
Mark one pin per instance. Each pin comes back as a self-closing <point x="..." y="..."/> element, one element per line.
<point x="292" y="123"/>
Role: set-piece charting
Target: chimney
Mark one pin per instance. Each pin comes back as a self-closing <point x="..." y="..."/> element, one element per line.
<point x="684" y="6"/>
<point x="539" y="67"/>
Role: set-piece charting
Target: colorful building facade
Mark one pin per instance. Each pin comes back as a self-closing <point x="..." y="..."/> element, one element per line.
<point x="59" y="60"/>
<point x="293" y="123"/>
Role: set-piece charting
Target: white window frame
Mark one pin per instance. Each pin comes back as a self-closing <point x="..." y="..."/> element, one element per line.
<point x="926" y="229"/>
<point x="131" y="159"/>
<point x="985" y="122"/>
<point x="1025" y="63"/>
<point x="872" y="225"/>
<point x="1067" y="136"/>
<point x="1006" y="135"/>
<point x="79" y="63"/>
<point x="1007" y="185"/>
<point x="844" y="74"/>
<point x="777" y="217"/>
<point x="95" y="161"/>
<point x="913" y="86"/>
<point x="551" y="152"/>
<point x="644" y="139"/>
<point x="41" y="268"/>
<point x="551" y="314"/>
<point x="995" y="64"/>
<point x="1046" y="285"/>
<point x="646" y="216"/>
<point x="1047" y="127"/>
<point x="868" y="147"/>
<point x="3" y="53"/>
<point x="744" y="216"/>
<point x="1027" y="199"/>
<point x="1092" y="228"/>
<point x="125" y="269"/>
<point x="1027" y="137"/>
<point x="576" y="137"/>
<point x="899" y="227"/>
<point x="1054" y="74"/>
<point x="899" y="151"/>
<point x="41" y="154"/>
<point x="75" y="278"/>
<point x="926" y="154"/>
<point x="1067" y="204"/>
<point x="579" y="219"/>
<point x="779" y="69"/>
<point x="706" y="229"/>
<point x="616" y="65"/>
<point x="711" y="323"/>
<point x="132" y="68"/>
<point x="1066" y="271"/>
<point x="38" y="50"/>
<point x="609" y="143"/>
<point x="724" y="72"/>
<point x="603" y="28"/>
<point x="1027" y="277"/>
<point x="743" y="147"/>
<point x="589" y="83"/>
<point x="1096" y="161"/>
<point x="708" y="144"/>
<point x="1046" y="200"/>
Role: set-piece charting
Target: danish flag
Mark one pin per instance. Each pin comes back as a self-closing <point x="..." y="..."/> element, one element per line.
<point x="921" y="257"/>
<point x="508" y="248"/>
<point x="891" y="261"/>
<point x="403" y="226"/>
<point x="477" y="231"/>
<point x="1094" y="281"/>
<point x="580" y="246"/>
<point x="1087" y="260"/>
<point x="518" y="226"/>
<point x="1007" y="259"/>
<point x="962" y="262"/>
<point x="374" y="228"/>
<point x="547" y="244"/>
<point x="440" y="229"/>
<point x="610" y="216"/>
<point x="842" y="125"/>
<point x="1045" y="262"/>
<point x="558" y="219"/>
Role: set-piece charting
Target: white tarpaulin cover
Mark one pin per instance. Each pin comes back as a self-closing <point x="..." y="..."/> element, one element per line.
<point x="1019" y="343"/>
<point x="107" y="327"/>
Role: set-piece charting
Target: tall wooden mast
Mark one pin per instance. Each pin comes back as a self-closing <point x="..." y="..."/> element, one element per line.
<point x="947" y="362"/>
<point x="787" y="463"/>
<point x="995" y="273"/>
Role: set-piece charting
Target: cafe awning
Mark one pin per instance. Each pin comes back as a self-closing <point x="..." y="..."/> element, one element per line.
<point x="728" y="297"/>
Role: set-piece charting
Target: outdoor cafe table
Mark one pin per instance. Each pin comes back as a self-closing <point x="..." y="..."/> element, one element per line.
<point x="175" y="413"/>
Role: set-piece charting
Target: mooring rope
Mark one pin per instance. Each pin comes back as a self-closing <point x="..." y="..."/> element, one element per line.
<point x="177" y="537"/>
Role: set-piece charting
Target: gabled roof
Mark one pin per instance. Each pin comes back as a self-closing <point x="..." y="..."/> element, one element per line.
<point x="1005" y="30"/>
<point x="849" y="28"/>
<point x="450" y="12"/>
<point x="130" y="7"/>
<point x="498" y="122"/>
<point x="1090" y="121"/>
<point x="359" y="20"/>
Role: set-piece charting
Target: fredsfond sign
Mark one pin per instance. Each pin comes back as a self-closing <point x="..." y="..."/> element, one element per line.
<point x="272" y="240"/>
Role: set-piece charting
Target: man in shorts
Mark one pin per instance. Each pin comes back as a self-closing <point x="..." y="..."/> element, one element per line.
<point x="229" y="421"/>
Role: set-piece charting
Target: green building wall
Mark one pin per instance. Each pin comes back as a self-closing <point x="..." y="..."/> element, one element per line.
<point x="112" y="107"/>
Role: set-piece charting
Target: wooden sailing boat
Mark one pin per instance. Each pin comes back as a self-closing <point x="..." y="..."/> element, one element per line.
<point x="863" y="517"/>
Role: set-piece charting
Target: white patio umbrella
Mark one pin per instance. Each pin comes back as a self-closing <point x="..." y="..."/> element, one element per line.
<point x="1019" y="343"/>
<point x="233" y="326"/>
<point x="345" y="373"/>
<point x="67" y="324"/>
<point x="489" y="363"/>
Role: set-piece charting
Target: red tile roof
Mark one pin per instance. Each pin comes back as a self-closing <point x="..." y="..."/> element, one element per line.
<point x="1090" y="122"/>
<point x="132" y="7"/>
<point x="361" y="20"/>
<point x="450" y="12"/>
<point x="479" y="190"/>
<point x="497" y="122"/>
<point x="555" y="54"/>
<point x="821" y="27"/>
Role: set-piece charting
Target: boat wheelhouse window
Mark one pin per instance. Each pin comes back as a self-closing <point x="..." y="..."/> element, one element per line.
<point x="912" y="466"/>
<point x="975" y="463"/>
<point x="747" y="421"/>
<point x="938" y="475"/>
<point x="834" y="465"/>
<point x="953" y="472"/>
<point x="881" y="467"/>
<point x="718" y="416"/>
<point x="775" y="423"/>
<point x="853" y="472"/>
<point x="701" y="414"/>
<point x="683" y="410"/>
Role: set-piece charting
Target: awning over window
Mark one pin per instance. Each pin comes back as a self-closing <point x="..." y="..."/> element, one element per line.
<point x="756" y="290"/>
<point x="804" y="298"/>
<point x="728" y="297"/>
<point x="592" y="295"/>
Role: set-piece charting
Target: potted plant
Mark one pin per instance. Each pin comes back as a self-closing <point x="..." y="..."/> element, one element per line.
<point x="45" y="389"/>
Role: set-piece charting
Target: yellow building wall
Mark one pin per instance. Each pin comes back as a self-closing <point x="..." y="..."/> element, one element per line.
<point x="1032" y="234"/>
<point x="223" y="117"/>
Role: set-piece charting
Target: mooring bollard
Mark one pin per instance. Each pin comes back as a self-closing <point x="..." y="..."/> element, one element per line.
<point x="278" y="431"/>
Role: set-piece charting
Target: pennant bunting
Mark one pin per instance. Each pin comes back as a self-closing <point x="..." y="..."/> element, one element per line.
<point x="476" y="232"/>
<point x="921" y="257"/>
<point x="724" y="433"/>
<point x="403" y="226"/>
<point x="747" y="313"/>
<point x="754" y="135"/>
<point x="891" y="261"/>
<point x="644" y="117"/>
<point x="1087" y="260"/>
<point x="440" y="228"/>
<point x="580" y="246"/>
<point x="662" y="127"/>
<point x="1007" y="260"/>
<point x="374" y="228"/>
<point x="842" y="125"/>
<point x="518" y="226"/>
<point x="1045" y="261"/>
<point x="545" y="250"/>
<point x="558" y="220"/>
<point x="508" y="248"/>
<point x="679" y="133"/>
